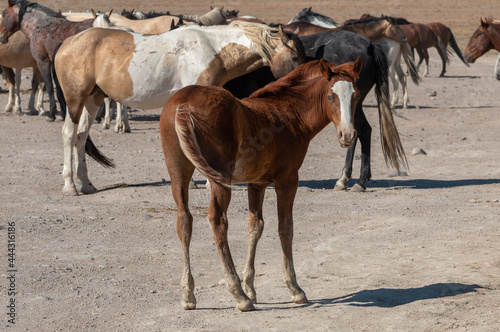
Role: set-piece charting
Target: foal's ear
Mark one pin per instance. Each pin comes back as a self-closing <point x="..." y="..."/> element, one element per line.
<point x="358" y="65"/>
<point x="325" y="70"/>
<point x="484" y="25"/>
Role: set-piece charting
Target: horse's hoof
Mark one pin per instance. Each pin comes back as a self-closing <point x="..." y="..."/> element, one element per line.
<point x="43" y="113"/>
<point x="90" y="189"/>
<point x="339" y="187"/>
<point x="59" y="118"/>
<point x="300" y="299"/>
<point x="245" y="306"/>
<point x="358" y="188"/>
<point x="50" y="119"/>
<point x="33" y="112"/>
<point x="70" y="191"/>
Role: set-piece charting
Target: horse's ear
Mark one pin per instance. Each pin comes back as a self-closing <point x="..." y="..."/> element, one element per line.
<point x="281" y="33"/>
<point x="211" y="7"/>
<point x="325" y="70"/>
<point x="358" y="65"/>
<point x="110" y="12"/>
<point x="309" y="9"/>
<point x="484" y="25"/>
<point x="10" y="3"/>
<point x="172" y="25"/>
<point x="93" y="13"/>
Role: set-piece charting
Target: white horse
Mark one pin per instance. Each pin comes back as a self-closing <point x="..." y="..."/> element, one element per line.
<point x="145" y="70"/>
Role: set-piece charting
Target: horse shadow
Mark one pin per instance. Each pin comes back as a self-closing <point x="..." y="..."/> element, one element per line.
<point x="394" y="297"/>
<point x="412" y="184"/>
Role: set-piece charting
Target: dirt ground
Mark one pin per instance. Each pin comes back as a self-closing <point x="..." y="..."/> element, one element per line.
<point x="414" y="253"/>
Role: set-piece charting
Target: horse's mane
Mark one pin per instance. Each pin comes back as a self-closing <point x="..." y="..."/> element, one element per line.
<point x="293" y="83"/>
<point x="368" y="19"/>
<point x="261" y="36"/>
<point x="490" y="20"/>
<point x="25" y="6"/>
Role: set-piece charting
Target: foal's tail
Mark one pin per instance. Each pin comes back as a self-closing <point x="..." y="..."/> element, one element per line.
<point x="184" y="127"/>
<point x="90" y="148"/>
<point x="408" y="58"/>
<point x="389" y="136"/>
<point x="454" y="46"/>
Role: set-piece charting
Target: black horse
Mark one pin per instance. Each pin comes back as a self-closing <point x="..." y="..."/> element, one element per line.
<point x="340" y="47"/>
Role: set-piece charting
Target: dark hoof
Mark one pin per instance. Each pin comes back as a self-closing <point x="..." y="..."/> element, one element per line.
<point x="50" y="119"/>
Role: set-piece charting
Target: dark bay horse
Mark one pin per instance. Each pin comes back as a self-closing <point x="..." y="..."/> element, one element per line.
<point x="447" y="38"/>
<point x="260" y="140"/>
<point x="45" y="29"/>
<point x="340" y="47"/>
<point x="485" y="38"/>
<point x="144" y="71"/>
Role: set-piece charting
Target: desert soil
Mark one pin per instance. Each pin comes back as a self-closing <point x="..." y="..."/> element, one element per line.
<point x="414" y="253"/>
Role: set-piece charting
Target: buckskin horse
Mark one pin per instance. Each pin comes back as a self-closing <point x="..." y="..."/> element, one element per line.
<point x="260" y="140"/>
<point x="485" y="38"/>
<point x="143" y="71"/>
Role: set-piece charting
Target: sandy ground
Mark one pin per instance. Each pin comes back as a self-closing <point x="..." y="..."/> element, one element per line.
<point x="414" y="253"/>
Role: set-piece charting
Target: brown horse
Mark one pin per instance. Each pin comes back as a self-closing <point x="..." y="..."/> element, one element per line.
<point x="45" y="29"/>
<point x="447" y="38"/>
<point x="421" y="37"/>
<point x="485" y="38"/>
<point x="260" y="140"/>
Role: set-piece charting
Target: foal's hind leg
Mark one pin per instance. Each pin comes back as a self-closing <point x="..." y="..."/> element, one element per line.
<point x="217" y="216"/>
<point x="254" y="232"/>
<point x="286" y="188"/>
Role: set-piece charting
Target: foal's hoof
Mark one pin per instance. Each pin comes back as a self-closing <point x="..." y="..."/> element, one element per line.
<point x="358" y="188"/>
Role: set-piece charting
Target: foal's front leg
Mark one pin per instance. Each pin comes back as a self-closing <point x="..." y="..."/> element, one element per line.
<point x="217" y="216"/>
<point x="285" y="190"/>
<point x="254" y="232"/>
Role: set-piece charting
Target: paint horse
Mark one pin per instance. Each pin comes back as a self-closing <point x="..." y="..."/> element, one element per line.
<point x="209" y="129"/>
<point x="45" y="29"/>
<point x="143" y="71"/>
<point x="485" y="38"/>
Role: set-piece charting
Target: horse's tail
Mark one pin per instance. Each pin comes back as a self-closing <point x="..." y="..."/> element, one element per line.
<point x="59" y="93"/>
<point x="92" y="151"/>
<point x="454" y="46"/>
<point x="391" y="143"/>
<point x="408" y="58"/>
<point x="184" y="127"/>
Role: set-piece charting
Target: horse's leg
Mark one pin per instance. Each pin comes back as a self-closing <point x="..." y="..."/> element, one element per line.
<point x="404" y="87"/>
<point x="341" y="183"/>
<point x="86" y="120"/>
<point x="107" y="113"/>
<point x="35" y="81"/>
<point x="254" y="232"/>
<point x="17" y="95"/>
<point x="122" y="125"/>
<point x="11" y="80"/>
<point x="422" y="55"/>
<point x="69" y="139"/>
<point x="364" y="131"/>
<point x="45" y="69"/>
<point x="217" y="216"/>
<point x="39" y="98"/>
<point x="286" y="188"/>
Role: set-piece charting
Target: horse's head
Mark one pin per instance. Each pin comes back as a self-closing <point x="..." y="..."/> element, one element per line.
<point x="11" y="21"/>
<point x="288" y="53"/>
<point x="393" y="31"/>
<point x="343" y="96"/>
<point x="479" y="43"/>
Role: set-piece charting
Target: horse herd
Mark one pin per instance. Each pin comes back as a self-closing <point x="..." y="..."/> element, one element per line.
<point x="241" y="100"/>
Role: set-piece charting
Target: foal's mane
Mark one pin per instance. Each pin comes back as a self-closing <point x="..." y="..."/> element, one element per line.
<point x="262" y="35"/>
<point x="26" y="6"/>
<point x="293" y="84"/>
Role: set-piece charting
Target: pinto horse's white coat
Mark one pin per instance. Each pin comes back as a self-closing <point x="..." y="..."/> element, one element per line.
<point x="145" y="71"/>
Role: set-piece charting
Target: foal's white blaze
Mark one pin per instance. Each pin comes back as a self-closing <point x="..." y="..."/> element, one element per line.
<point x="344" y="91"/>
